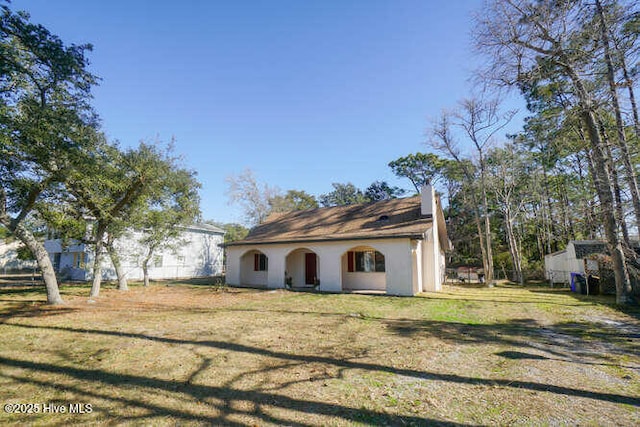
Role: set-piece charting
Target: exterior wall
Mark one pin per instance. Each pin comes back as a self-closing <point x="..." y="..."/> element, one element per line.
<point x="559" y="266"/>
<point x="417" y="264"/>
<point x="9" y="258"/>
<point x="397" y="253"/>
<point x="233" y="270"/>
<point x="295" y="267"/>
<point x="432" y="260"/>
<point x="197" y="254"/>
<point x="67" y="255"/>
<point x="358" y="280"/>
<point x="248" y="275"/>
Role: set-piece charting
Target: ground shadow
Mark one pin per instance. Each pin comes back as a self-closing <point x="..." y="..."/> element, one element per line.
<point x="339" y="363"/>
<point x="262" y="401"/>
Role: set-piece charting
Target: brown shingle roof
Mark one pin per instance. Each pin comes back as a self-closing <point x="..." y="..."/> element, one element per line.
<point x="387" y="218"/>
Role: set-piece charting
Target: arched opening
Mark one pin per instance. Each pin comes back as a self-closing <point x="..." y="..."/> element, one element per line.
<point x="364" y="269"/>
<point x="254" y="268"/>
<point x="302" y="267"/>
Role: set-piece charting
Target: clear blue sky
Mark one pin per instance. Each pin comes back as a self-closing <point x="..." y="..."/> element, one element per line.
<point x="303" y="92"/>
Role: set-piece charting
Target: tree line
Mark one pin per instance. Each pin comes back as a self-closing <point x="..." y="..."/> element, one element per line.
<point x="58" y="169"/>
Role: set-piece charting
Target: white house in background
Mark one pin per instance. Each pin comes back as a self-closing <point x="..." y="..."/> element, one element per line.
<point x="9" y="261"/>
<point x="558" y="266"/>
<point x="393" y="246"/>
<point x="198" y="252"/>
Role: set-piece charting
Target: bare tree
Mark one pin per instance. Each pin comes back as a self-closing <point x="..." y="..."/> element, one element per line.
<point x="480" y="120"/>
<point x="508" y="177"/>
<point x="254" y="197"/>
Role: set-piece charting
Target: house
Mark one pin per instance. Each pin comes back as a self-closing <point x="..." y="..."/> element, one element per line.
<point x="10" y="262"/>
<point x="197" y="252"/>
<point x="393" y="246"/>
<point x="558" y="266"/>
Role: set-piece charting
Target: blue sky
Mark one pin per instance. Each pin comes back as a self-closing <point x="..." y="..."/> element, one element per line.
<point x="304" y="93"/>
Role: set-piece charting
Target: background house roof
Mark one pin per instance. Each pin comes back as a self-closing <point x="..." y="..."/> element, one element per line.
<point x="384" y="219"/>
<point x="205" y="227"/>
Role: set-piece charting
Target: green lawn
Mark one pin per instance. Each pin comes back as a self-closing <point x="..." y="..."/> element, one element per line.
<point x="194" y="354"/>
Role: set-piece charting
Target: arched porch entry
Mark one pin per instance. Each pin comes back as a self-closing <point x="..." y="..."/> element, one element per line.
<point x="302" y="267"/>
<point x="364" y="269"/>
<point x="254" y="268"/>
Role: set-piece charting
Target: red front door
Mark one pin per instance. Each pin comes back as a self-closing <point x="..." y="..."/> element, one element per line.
<point x="310" y="269"/>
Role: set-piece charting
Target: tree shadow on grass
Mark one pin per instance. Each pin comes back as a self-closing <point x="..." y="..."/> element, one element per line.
<point x="339" y="363"/>
<point x="632" y="310"/>
<point x="263" y="402"/>
<point x="30" y="308"/>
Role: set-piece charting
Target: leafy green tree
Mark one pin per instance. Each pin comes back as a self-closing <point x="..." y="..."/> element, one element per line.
<point x="172" y="204"/>
<point x="342" y="195"/>
<point x="429" y="168"/>
<point x="112" y="188"/>
<point x="380" y="190"/>
<point x="293" y="200"/>
<point x="44" y="118"/>
<point x="232" y="231"/>
<point x="419" y="168"/>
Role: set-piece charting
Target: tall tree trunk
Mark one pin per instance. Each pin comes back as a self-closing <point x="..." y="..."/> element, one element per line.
<point x="513" y="245"/>
<point x="117" y="265"/>
<point x="630" y="172"/>
<point x="617" y="192"/>
<point x="487" y="231"/>
<point x="546" y="211"/>
<point x="603" y="186"/>
<point x="44" y="262"/>
<point x="16" y="227"/>
<point x="590" y="212"/>
<point x="604" y="189"/>
<point x="632" y="97"/>
<point x="145" y="273"/>
<point x="145" y="266"/>
<point x="97" y="262"/>
<point x="476" y="218"/>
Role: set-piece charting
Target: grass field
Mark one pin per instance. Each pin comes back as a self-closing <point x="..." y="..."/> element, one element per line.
<point x="194" y="354"/>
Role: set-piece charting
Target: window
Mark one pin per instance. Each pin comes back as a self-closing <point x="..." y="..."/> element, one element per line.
<point x="157" y="261"/>
<point x="56" y="261"/>
<point x="365" y="261"/>
<point x="79" y="259"/>
<point x="260" y="262"/>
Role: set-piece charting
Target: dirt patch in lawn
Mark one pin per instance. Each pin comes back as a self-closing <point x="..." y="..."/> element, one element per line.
<point x="213" y="355"/>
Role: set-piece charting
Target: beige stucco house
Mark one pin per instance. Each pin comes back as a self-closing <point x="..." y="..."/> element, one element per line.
<point x="394" y="246"/>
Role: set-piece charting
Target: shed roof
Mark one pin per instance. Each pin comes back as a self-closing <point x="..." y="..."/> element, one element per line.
<point x="391" y="218"/>
<point x="585" y="248"/>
